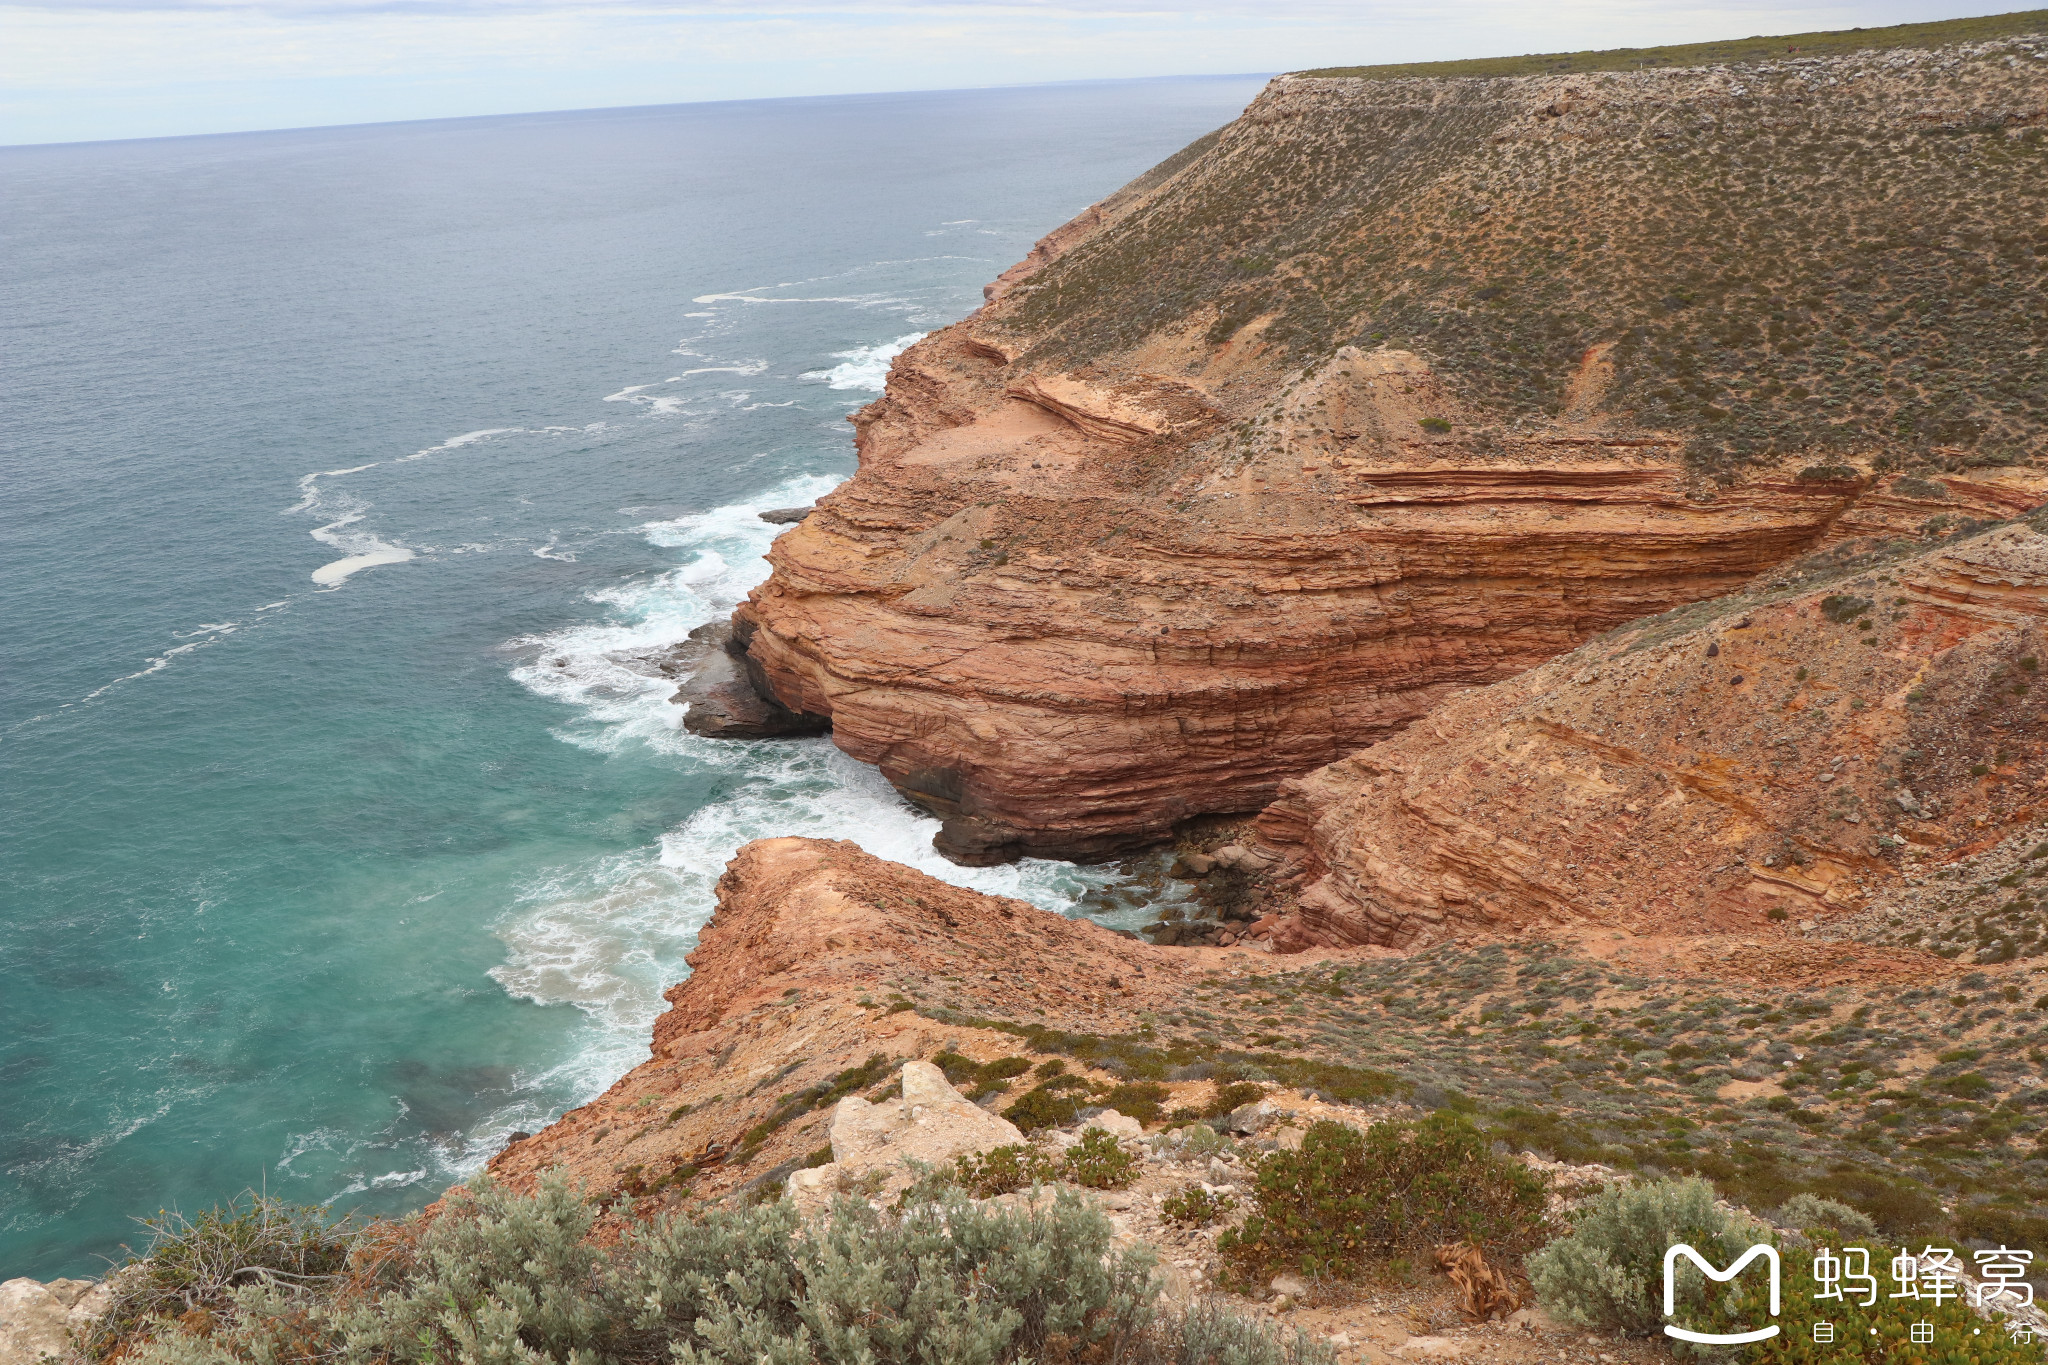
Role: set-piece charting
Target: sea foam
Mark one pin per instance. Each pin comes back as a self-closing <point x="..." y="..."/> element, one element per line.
<point x="866" y="367"/>
<point x="609" y="935"/>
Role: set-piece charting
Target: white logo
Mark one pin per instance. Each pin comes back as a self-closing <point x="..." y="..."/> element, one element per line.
<point x="1769" y="1253"/>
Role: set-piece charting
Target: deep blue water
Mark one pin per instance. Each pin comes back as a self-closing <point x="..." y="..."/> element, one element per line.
<point x="351" y="477"/>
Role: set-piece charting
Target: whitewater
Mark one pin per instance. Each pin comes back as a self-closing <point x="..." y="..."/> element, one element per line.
<point x="360" y="483"/>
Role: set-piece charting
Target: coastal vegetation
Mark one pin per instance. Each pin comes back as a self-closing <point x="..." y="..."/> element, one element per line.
<point x="1723" y="52"/>
<point x="501" y="1276"/>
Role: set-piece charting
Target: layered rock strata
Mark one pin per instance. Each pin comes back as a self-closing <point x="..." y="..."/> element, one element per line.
<point x="1399" y="387"/>
<point x="1778" y="755"/>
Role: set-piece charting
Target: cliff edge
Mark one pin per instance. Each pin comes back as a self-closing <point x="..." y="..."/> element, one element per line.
<point x="1397" y="387"/>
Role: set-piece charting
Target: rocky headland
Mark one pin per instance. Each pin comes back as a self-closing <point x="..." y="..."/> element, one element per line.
<point x="1559" y="553"/>
<point x="1397" y="387"/>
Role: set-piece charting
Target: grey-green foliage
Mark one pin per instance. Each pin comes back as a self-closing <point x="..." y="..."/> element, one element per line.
<point x="1804" y="1211"/>
<point x="1607" y="1273"/>
<point x="509" y="1279"/>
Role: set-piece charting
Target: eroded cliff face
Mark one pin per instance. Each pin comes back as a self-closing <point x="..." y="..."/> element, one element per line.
<point x="806" y="972"/>
<point x="1395" y="388"/>
<point x="1780" y="755"/>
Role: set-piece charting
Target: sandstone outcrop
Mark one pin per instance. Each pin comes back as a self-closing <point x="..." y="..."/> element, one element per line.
<point x="39" y="1321"/>
<point x="930" y="1125"/>
<point x="1395" y="388"/>
<point x="806" y="976"/>
<point x="1784" y="754"/>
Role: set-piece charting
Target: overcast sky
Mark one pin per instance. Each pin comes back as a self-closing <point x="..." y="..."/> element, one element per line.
<point x="73" y="70"/>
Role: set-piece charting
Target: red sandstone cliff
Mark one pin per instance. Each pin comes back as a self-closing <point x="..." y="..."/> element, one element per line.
<point x="1797" y="752"/>
<point x="1396" y="388"/>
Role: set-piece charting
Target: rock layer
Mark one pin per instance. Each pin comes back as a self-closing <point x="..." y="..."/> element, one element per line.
<point x="1783" y="754"/>
<point x="1394" y="388"/>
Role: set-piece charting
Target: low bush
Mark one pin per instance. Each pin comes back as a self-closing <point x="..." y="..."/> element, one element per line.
<point x="1195" y="1207"/>
<point x="1232" y="1096"/>
<point x="196" y="1266"/>
<point x="1142" y="1100"/>
<point x="1607" y="1273"/>
<point x="1196" y="1141"/>
<point x="517" y="1278"/>
<point x="1842" y="608"/>
<point x="1811" y="1213"/>
<point x="1043" y="1106"/>
<point x="1346" y="1198"/>
<point x="1003" y="1169"/>
<point x="1900" y="1208"/>
<point x="980" y="1079"/>
<point x="1099" y="1162"/>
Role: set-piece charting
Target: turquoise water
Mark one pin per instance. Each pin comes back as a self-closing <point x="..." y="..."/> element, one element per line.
<point x="353" y="480"/>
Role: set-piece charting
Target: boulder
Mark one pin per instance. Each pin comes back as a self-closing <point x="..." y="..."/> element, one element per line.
<point x="1249" y="1118"/>
<point x="1115" y="1124"/>
<point x="785" y="516"/>
<point x="724" y="704"/>
<point x="931" y="1124"/>
<point x="38" y="1320"/>
<point x="1241" y="858"/>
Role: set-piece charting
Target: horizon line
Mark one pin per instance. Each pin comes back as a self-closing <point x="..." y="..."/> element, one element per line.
<point x="631" y="108"/>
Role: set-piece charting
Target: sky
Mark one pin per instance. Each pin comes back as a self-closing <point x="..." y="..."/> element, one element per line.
<point x="83" y="70"/>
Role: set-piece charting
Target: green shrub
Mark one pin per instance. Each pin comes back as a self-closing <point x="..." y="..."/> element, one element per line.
<point x="1842" y="608"/>
<point x="1232" y="1096"/>
<point x="979" y="1079"/>
<point x="1100" y="1162"/>
<point x="1607" y="1273"/>
<point x="1043" y="1106"/>
<point x="1900" y="1208"/>
<point x="517" y="1279"/>
<point x="1142" y="1100"/>
<point x="1196" y="1140"/>
<point x="199" y="1265"/>
<point x="1346" y="1197"/>
<point x="1003" y="1169"/>
<point x="1436" y="426"/>
<point x="1810" y="1212"/>
<point x="1827" y="473"/>
<point x="1195" y="1207"/>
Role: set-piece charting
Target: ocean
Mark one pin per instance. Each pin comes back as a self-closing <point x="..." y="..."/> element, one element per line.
<point x="354" y="481"/>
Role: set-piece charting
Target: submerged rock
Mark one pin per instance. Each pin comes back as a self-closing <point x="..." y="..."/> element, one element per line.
<point x="723" y="702"/>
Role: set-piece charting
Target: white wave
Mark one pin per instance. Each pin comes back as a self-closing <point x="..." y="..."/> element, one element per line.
<point x="749" y="297"/>
<point x="360" y="550"/>
<point x="866" y="367"/>
<point x="157" y="664"/>
<point x="609" y="935"/>
<point x="332" y="576"/>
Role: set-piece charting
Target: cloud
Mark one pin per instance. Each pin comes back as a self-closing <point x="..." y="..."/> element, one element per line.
<point x="125" y="68"/>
